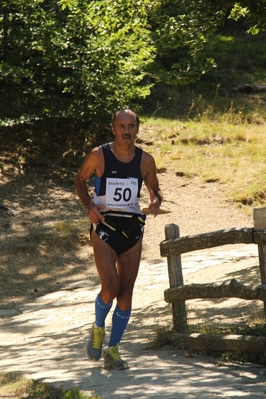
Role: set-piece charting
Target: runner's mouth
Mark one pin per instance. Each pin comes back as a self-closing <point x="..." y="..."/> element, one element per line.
<point x="126" y="136"/>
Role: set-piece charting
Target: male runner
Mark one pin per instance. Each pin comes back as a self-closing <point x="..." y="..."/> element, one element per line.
<point x="119" y="168"/>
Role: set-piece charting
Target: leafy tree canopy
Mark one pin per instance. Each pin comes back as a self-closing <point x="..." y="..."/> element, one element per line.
<point x="66" y="65"/>
<point x="253" y="11"/>
<point x="74" y="61"/>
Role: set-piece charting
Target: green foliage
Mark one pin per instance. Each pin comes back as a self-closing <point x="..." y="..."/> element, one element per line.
<point x="74" y="64"/>
<point x="16" y="385"/>
<point x="253" y="11"/>
<point x="66" y="65"/>
<point x="237" y="12"/>
<point x="179" y="30"/>
<point x="239" y="59"/>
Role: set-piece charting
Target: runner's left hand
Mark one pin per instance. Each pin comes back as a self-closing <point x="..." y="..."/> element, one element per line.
<point x="154" y="205"/>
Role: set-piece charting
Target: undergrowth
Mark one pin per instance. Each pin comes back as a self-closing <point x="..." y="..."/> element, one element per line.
<point x="16" y="386"/>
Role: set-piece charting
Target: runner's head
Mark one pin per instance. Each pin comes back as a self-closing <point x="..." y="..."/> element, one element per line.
<point x="125" y="112"/>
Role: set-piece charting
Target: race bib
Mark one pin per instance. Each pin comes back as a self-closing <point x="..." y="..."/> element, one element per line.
<point x="121" y="193"/>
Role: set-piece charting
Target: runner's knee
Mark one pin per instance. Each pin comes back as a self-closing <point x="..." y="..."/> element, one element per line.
<point x="109" y="292"/>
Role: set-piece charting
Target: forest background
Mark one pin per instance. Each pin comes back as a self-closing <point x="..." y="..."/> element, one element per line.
<point x="66" y="65"/>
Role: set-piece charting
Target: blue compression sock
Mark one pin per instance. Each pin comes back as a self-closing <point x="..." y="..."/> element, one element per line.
<point x="119" y="323"/>
<point x="101" y="311"/>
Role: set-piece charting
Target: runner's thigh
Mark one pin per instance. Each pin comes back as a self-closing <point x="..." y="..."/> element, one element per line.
<point x="128" y="266"/>
<point x="105" y="259"/>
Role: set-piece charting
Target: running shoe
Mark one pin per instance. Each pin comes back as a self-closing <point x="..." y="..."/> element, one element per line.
<point x="93" y="348"/>
<point x="112" y="359"/>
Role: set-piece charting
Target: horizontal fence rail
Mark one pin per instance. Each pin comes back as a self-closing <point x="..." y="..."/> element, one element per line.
<point x="245" y="235"/>
<point x="227" y="289"/>
<point x="222" y="343"/>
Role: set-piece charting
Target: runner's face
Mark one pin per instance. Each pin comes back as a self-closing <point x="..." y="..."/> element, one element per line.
<point x="125" y="127"/>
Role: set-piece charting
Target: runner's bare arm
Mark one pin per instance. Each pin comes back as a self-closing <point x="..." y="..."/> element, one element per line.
<point x="148" y="169"/>
<point x="93" y="163"/>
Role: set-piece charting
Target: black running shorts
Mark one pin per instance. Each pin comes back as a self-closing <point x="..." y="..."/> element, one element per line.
<point x="115" y="239"/>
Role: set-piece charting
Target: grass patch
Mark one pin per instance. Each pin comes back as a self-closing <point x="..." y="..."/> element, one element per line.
<point x="216" y="151"/>
<point x="16" y="386"/>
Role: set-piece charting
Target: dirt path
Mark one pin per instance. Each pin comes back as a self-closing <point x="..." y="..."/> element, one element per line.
<point x="48" y="286"/>
<point x="45" y="241"/>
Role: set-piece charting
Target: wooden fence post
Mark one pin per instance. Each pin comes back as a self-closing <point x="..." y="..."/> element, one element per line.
<point x="175" y="280"/>
<point x="259" y="216"/>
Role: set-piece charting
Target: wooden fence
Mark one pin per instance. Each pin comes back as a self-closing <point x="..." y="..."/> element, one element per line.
<point x="174" y="245"/>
